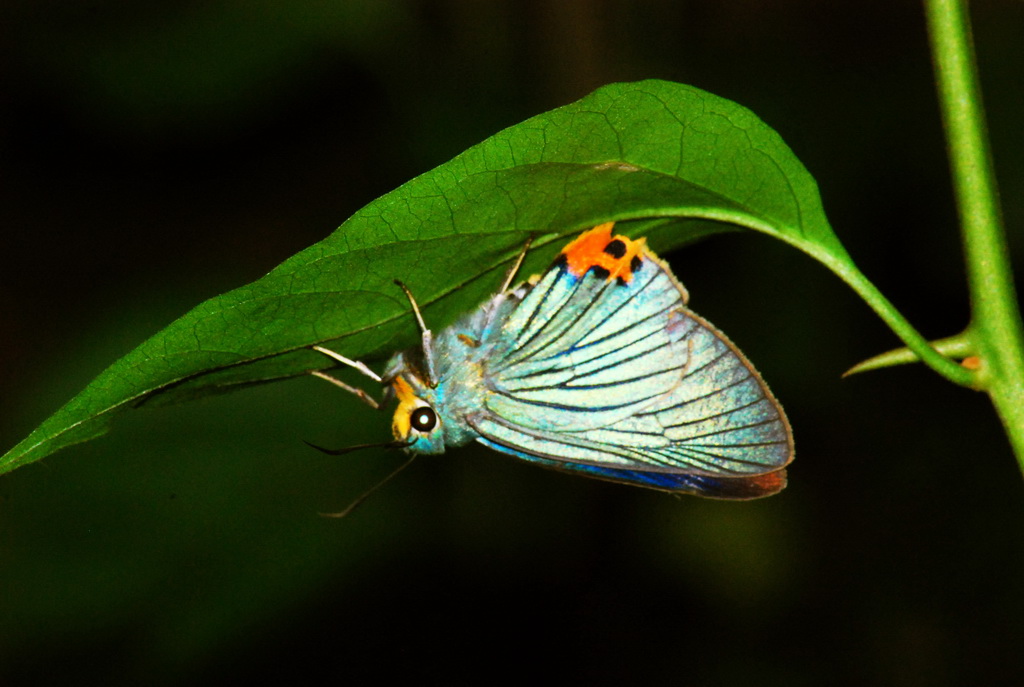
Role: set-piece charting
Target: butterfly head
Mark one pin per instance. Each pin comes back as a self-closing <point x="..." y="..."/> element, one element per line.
<point x="416" y="420"/>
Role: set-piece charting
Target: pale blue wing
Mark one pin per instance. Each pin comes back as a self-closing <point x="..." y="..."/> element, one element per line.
<point x="620" y="380"/>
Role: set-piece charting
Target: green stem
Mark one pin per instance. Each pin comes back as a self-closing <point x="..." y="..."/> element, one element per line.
<point x="946" y="367"/>
<point x="995" y="317"/>
<point x="1009" y="403"/>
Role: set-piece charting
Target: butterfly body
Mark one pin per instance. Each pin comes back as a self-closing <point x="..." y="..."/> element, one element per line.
<point x="597" y="367"/>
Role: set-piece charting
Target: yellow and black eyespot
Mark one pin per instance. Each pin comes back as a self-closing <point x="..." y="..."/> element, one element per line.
<point x="423" y="419"/>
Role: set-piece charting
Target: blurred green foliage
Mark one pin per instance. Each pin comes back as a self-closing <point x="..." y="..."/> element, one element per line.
<point x="155" y="155"/>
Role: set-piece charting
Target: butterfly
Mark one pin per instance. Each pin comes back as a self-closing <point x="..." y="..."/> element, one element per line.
<point x="595" y="367"/>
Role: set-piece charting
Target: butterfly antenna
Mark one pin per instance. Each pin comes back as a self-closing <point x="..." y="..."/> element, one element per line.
<point x="366" y="494"/>
<point x="515" y="266"/>
<point x="358" y="447"/>
<point x="425" y="335"/>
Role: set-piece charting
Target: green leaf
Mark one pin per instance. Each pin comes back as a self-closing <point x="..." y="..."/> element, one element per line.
<point x="663" y="159"/>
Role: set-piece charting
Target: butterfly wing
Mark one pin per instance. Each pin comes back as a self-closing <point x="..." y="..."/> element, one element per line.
<point x="602" y="370"/>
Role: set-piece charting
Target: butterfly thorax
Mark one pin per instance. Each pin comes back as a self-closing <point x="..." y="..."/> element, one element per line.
<point x="458" y="356"/>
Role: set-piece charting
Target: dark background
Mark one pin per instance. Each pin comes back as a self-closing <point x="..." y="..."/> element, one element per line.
<point x="156" y="154"/>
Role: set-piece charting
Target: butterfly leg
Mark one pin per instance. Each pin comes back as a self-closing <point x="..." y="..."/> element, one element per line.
<point x="426" y="336"/>
<point x="348" y="361"/>
<point x="355" y="364"/>
<point x="362" y="395"/>
<point x="511" y="275"/>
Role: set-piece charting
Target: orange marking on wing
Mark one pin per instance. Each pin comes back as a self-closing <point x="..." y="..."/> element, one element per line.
<point x="588" y="251"/>
<point x="770" y="482"/>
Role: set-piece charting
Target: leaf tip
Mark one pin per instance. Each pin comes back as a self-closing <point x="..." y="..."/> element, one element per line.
<point x="898" y="356"/>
